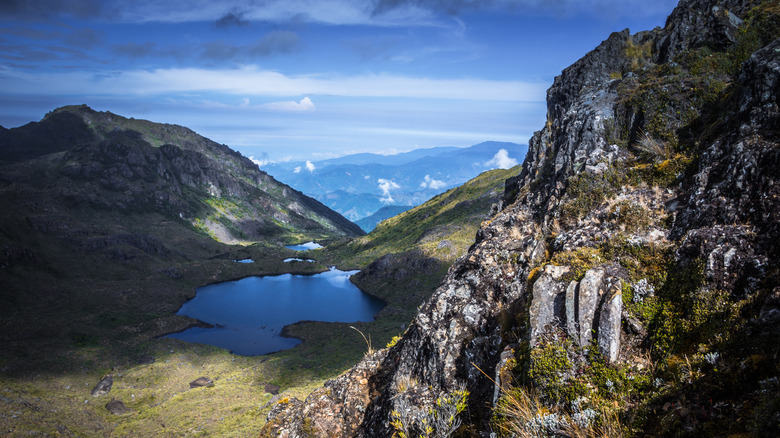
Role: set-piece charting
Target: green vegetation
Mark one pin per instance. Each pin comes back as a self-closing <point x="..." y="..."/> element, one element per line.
<point x="586" y="191"/>
<point x="638" y="55"/>
<point x="560" y="388"/>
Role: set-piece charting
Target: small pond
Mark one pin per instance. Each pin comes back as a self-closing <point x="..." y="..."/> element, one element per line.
<point x="249" y="314"/>
<point x="304" y="246"/>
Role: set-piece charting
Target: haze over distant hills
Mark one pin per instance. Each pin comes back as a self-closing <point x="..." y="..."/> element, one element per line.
<point x="359" y="185"/>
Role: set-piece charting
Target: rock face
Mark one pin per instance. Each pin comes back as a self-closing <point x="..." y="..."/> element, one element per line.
<point x="644" y="222"/>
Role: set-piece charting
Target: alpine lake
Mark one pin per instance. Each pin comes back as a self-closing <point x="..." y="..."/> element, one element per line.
<point x="248" y="315"/>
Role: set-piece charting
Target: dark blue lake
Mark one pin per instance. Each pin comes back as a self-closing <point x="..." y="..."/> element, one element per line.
<point x="250" y="313"/>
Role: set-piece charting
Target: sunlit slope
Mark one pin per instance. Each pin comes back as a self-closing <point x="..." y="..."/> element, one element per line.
<point x="443" y="227"/>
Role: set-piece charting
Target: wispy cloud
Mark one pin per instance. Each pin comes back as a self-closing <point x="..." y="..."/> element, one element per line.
<point x="260" y="162"/>
<point x="308" y="166"/>
<point x="251" y="80"/>
<point x="136" y="50"/>
<point x="36" y="10"/>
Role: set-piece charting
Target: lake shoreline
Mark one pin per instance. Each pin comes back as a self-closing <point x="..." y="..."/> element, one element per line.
<point x="253" y="313"/>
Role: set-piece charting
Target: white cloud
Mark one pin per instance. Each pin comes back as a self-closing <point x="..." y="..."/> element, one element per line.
<point x="433" y="184"/>
<point x="291" y="106"/>
<point x="385" y="185"/>
<point x="251" y="80"/>
<point x="501" y="160"/>
<point x="297" y="169"/>
<point x="310" y="166"/>
<point x="260" y="163"/>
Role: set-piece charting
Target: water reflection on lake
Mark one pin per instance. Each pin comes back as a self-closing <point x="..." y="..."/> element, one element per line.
<point x="304" y="246"/>
<point x="250" y="313"/>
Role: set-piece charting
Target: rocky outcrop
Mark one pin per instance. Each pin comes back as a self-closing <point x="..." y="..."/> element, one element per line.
<point x="700" y="23"/>
<point x="336" y="410"/>
<point x="631" y="227"/>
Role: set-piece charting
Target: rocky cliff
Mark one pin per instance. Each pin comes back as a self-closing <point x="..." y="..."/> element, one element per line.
<point x="629" y="282"/>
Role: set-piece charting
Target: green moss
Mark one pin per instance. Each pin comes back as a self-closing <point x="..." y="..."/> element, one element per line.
<point x="680" y="310"/>
<point x="579" y="260"/>
<point x="641" y="261"/>
<point x="549" y="368"/>
<point x="630" y="214"/>
<point x="761" y="27"/>
<point x="586" y="191"/>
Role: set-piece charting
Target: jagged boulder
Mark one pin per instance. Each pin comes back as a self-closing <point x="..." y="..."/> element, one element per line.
<point x="103" y="387"/>
<point x="547" y="303"/>
<point x="337" y="409"/>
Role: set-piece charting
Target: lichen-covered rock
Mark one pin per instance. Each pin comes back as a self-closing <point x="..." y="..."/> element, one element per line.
<point x="590" y="288"/>
<point x="548" y="301"/>
<point x="103" y="387"/>
<point x="697" y="23"/>
<point x="609" y="322"/>
<point x="335" y="410"/>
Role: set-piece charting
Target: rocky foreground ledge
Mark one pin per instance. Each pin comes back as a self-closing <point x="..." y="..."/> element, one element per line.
<point x="639" y="242"/>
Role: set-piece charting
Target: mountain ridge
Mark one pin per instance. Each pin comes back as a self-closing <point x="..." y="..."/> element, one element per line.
<point x="121" y="150"/>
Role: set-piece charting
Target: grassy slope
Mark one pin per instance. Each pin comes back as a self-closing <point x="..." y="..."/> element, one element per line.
<point x="444" y="227"/>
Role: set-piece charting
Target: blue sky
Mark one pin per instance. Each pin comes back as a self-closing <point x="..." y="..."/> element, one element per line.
<point x="307" y="79"/>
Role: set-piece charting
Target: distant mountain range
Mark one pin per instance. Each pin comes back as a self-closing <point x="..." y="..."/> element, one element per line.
<point x="359" y="185"/>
